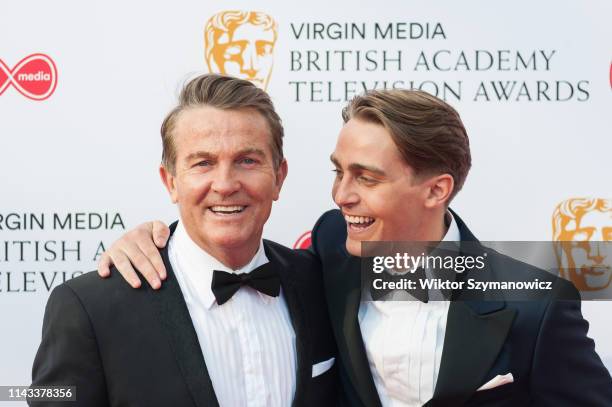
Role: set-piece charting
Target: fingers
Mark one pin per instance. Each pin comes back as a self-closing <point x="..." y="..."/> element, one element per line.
<point x="136" y="250"/>
<point x="123" y="265"/>
<point x="132" y="256"/>
<point x="104" y="265"/>
<point x="152" y="260"/>
<point x="160" y="233"/>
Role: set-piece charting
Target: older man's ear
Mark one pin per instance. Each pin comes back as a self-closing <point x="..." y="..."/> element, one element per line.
<point x="281" y="175"/>
<point x="169" y="181"/>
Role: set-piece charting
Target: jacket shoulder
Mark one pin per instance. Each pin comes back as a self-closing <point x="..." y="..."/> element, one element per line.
<point x="98" y="294"/>
<point x="511" y="269"/>
<point x="329" y="233"/>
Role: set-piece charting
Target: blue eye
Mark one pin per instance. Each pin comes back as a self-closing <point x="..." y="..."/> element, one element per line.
<point x="247" y="161"/>
<point x="204" y="163"/>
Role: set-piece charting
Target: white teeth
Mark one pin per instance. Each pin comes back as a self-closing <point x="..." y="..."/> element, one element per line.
<point x="219" y="208"/>
<point x="358" y="219"/>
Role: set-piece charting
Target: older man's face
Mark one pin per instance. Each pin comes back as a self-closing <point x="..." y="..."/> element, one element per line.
<point x="225" y="181"/>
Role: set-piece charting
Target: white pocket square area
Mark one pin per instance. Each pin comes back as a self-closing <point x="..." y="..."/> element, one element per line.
<point x="497" y="381"/>
<point x="322" y="367"/>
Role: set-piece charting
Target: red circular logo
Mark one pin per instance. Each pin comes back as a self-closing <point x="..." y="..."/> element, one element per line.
<point x="304" y="241"/>
<point x="35" y="76"/>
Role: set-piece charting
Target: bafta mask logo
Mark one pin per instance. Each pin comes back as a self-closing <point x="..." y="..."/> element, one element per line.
<point x="582" y="235"/>
<point x="241" y="44"/>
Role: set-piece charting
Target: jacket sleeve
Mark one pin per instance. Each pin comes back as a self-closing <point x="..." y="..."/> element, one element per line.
<point x="567" y="370"/>
<point x="68" y="353"/>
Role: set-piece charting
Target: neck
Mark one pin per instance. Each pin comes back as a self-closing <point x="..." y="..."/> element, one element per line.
<point x="435" y="229"/>
<point x="231" y="256"/>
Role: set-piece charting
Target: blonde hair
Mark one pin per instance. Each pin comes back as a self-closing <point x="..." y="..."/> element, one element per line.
<point x="427" y="131"/>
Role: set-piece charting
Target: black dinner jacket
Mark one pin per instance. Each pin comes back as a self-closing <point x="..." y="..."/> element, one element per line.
<point x="543" y="343"/>
<point x="137" y="347"/>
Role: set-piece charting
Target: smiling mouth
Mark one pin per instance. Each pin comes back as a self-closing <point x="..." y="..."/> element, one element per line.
<point x="227" y="210"/>
<point x="358" y="223"/>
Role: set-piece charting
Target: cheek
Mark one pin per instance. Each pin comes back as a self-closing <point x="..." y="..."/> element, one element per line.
<point x="193" y="187"/>
<point x="386" y="206"/>
<point x="394" y="212"/>
<point x="261" y="188"/>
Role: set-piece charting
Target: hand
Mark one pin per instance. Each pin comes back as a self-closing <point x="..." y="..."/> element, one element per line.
<point x="138" y="248"/>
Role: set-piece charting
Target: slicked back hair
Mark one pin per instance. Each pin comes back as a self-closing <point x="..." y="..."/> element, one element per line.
<point x="225" y="93"/>
<point x="427" y="131"/>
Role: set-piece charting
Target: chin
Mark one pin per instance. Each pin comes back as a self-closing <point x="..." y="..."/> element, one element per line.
<point x="230" y="242"/>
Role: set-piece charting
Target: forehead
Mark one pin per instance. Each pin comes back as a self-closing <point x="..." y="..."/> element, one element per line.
<point x="367" y="143"/>
<point x="215" y="130"/>
<point x="252" y="32"/>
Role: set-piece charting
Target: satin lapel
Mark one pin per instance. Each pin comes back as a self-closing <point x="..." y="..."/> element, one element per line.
<point x="295" y="304"/>
<point x="175" y="319"/>
<point x="471" y="345"/>
<point x="343" y="291"/>
<point x="476" y="330"/>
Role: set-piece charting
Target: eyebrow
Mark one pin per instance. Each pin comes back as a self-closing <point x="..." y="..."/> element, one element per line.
<point x="359" y="167"/>
<point x="199" y="155"/>
<point x="206" y="154"/>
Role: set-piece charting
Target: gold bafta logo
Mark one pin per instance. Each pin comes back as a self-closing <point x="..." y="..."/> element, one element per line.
<point x="241" y="44"/>
<point x="582" y="235"/>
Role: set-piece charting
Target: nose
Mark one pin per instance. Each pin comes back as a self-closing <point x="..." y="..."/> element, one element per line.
<point x="344" y="194"/>
<point x="595" y="254"/>
<point x="225" y="182"/>
<point x="249" y="61"/>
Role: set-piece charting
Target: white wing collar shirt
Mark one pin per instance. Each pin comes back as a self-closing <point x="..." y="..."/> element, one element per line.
<point x="403" y="342"/>
<point x="248" y="343"/>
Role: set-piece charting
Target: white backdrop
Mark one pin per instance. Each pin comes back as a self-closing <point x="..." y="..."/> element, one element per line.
<point x="93" y="147"/>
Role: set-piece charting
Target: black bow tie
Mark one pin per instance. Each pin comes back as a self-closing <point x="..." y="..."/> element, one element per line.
<point x="263" y="278"/>
<point x="418" y="293"/>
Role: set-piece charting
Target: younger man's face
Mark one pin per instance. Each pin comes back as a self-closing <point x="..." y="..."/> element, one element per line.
<point x="380" y="196"/>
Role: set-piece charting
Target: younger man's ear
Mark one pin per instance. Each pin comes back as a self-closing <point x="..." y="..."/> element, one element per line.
<point x="439" y="191"/>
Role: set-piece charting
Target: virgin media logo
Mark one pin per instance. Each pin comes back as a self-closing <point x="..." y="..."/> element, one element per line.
<point x="35" y="76"/>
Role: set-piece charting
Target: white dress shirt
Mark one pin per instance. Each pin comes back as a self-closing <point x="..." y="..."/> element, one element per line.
<point x="403" y="342"/>
<point x="248" y="343"/>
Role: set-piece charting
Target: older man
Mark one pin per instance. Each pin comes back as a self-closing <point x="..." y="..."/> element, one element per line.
<point x="399" y="160"/>
<point x="241" y="321"/>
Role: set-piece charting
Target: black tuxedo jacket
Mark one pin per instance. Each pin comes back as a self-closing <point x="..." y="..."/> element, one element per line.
<point x="137" y="347"/>
<point x="543" y="343"/>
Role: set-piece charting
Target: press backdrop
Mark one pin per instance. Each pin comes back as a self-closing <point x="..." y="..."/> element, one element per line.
<point x="84" y="87"/>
